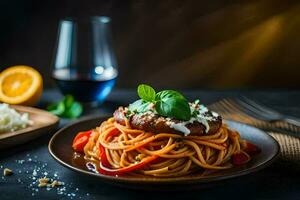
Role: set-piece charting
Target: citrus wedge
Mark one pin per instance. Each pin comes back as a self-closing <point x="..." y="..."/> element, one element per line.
<point x="20" y="85"/>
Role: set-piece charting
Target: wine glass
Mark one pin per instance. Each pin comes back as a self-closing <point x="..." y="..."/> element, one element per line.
<point x="84" y="62"/>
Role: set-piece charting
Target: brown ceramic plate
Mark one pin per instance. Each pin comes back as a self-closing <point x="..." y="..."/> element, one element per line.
<point x="43" y="122"/>
<point x="60" y="149"/>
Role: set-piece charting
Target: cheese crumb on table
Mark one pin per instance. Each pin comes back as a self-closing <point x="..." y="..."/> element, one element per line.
<point x="56" y="183"/>
<point x="43" y="182"/>
<point x="7" y="172"/>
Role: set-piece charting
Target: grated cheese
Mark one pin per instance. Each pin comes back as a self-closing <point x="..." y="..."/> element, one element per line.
<point x="11" y="120"/>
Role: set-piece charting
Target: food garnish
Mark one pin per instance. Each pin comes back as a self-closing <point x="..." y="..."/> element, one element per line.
<point x="167" y="103"/>
<point x="7" y="172"/>
<point x="67" y="108"/>
<point x="166" y="111"/>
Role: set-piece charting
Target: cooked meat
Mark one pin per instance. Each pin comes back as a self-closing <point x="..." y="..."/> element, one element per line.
<point x="151" y="122"/>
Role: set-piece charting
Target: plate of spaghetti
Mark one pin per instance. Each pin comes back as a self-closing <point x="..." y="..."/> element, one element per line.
<point x="162" y="139"/>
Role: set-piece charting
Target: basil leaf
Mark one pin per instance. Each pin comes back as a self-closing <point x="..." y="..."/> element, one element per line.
<point x="52" y="106"/>
<point x="144" y="107"/>
<point x="68" y="101"/>
<point x="57" y="108"/>
<point x="67" y="108"/>
<point x="168" y="94"/>
<point x="133" y="107"/>
<point x="139" y="106"/>
<point x="175" y="107"/>
<point x="74" y="110"/>
<point x="146" y="92"/>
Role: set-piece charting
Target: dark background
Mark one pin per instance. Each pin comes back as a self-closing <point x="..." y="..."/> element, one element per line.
<point x="169" y="43"/>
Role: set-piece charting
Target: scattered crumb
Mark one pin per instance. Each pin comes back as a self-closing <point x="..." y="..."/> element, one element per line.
<point x="56" y="183"/>
<point x="44" y="180"/>
<point x="38" y="177"/>
<point x="20" y="161"/>
<point x="42" y="184"/>
<point x="34" y="173"/>
<point x="7" y="172"/>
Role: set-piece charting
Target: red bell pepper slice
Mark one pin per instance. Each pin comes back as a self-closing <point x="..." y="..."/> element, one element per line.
<point x="114" y="172"/>
<point x="240" y="158"/>
<point x="251" y="149"/>
<point x="103" y="157"/>
<point x="112" y="133"/>
<point x="81" y="140"/>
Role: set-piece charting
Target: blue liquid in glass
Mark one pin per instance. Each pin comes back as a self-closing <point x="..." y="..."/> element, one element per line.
<point x="85" y="88"/>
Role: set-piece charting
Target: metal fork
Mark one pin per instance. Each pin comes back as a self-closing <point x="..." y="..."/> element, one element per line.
<point x="264" y="113"/>
<point x="229" y="105"/>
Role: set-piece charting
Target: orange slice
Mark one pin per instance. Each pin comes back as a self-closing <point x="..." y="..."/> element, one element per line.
<point x="20" y="85"/>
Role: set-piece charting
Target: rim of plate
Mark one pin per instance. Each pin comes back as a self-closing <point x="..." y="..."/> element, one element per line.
<point x="167" y="180"/>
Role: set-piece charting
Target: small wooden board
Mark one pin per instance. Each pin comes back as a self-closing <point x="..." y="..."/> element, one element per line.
<point x="43" y="122"/>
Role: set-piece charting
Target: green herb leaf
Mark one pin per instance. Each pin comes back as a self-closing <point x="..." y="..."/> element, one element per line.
<point x="168" y="103"/>
<point x="128" y="113"/>
<point x="195" y="113"/>
<point x="139" y="106"/>
<point x="67" y="108"/>
<point x="68" y="100"/>
<point x="168" y="94"/>
<point x="144" y="107"/>
<point x="57" y="108"/>
<point x="74" y="110"/>
<point x="133" y="107"/>
<point x="176" y="107"/>
<point x="197" y="101"/>
<point x="146" y="92"/>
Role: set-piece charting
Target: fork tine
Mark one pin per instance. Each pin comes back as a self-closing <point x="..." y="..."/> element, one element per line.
<point x="253" y="110"/>
<point x="232" y="106"/>
<point x="260" y="106"/>
<point x="229" y="104"/>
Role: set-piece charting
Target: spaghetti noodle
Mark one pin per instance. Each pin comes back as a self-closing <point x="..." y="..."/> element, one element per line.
<point x="163" y="135"/>
<point x="120" y="149"/>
